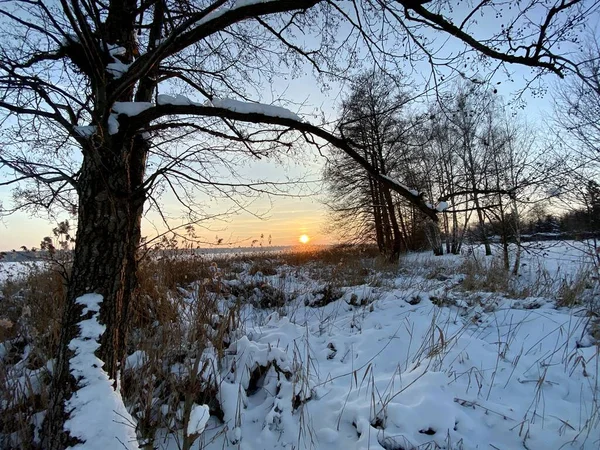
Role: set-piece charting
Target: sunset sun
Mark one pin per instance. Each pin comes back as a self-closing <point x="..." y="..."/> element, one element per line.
<point x="304" y="239"/>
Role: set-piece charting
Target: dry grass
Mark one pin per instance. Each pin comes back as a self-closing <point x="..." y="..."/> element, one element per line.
<point x="178" y="323"/>
<point x="491" y="276"/>
<point x="329" y="255"/>
<point x="577" y="290"/>
<point x="264" y="266"/>
<point x="33" y="305"/>
<point x="480" y="276"/>
<point x="343" y="265"/>
<point x="29" y="333"/>
<point x="178" y="364"/>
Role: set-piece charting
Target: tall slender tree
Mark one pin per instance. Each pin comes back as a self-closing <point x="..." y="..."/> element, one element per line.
<point x="374" y="118"/>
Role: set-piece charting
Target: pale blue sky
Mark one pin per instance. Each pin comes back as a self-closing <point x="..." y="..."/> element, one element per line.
<point x="288" y="218"/>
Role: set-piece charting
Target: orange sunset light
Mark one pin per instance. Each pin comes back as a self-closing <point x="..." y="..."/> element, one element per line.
<point x="304" y="239"/>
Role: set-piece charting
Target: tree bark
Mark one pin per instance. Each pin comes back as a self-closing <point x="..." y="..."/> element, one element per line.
<point x="481" y="219"/>
<point x="373" y="187"/>
<point x="108" y="234"/>
<point x="434" y="237"/>
<point x="517" y="232"/>
<point x="396" y="243"/>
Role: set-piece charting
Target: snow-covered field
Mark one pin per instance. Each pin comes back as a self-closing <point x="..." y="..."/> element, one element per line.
<point x="413" y="362"/>
<point x="16" y="270"/>
<point x="408" y="360"/>
<point x="397" y="376"/>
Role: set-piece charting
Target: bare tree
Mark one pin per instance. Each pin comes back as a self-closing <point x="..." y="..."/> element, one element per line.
<point x="519" y="174"/>
<point x="375" y="118"/>
<point x="576" y="112"/>
<point x="94" y="118"/>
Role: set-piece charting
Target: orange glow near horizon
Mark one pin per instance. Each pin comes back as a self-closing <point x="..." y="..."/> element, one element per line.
<point x="304" y="239"/>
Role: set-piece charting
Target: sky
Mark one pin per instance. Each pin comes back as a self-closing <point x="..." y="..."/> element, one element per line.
<point x="285" y="219"/>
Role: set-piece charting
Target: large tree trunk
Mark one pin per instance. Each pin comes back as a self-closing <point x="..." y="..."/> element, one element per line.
<point x="111" y="203"/>
<point x="108" y="234"/>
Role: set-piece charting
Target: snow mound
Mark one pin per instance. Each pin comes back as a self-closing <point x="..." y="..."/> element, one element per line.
<point x="98" y="416"/>
<point x="441" y="373"/>
<point x="254" y="108"/>
<point x="198" y="419"/>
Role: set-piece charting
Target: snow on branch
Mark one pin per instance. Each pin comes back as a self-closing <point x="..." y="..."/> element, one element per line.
<point x="440" y="207"/>
<point x="98" y="417"/>
<point x="238" y="4"/>
<point x="406" y="188"/>
<point x="255" y="108"/>
<point x="117" y="68"/>
<point x="131" y="108"/>
<point x="232" y="105"/>
<point x="275" y="115"/>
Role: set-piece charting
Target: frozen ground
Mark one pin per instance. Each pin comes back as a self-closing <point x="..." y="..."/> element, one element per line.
<point x="15" y="270"/>
<point x="413" y="362"/>
<point x="409" y="360"/>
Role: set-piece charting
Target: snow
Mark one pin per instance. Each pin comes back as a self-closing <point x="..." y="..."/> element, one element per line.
<point x="13" y="271"/>
<point x="69" y="38"/>
<point x="85" y="130"/>
<point x="164" y="99"/>
<point x="198" y="419"/>
<point x="408" y="360"/>
<point x="113" y="124"/>
<point x="117" y="68"/>
<point x="232" y="105"/>
<point x="131" y="108"/>
<point x="397" y="183"/>
<point x="116" y="50"/>
<point x="413" y="391"/>
<point x="127" y="109"/>
<point x="212" y="16"/>
<point x="442" y="206"/>
<point x="254" y="108"/>
<point x="98" y="416"/>
<point x="219" y="12"/>
<point x="242" y="3"/>
<point x="456" y="370"/>
<point x="135" y="108"/>
<point x="136" y="360"/>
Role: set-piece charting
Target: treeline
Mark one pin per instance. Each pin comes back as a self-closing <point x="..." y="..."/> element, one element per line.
<point x="463" y="151"/>
<point x="580" y="221"/>
<point x="490" y="176"/>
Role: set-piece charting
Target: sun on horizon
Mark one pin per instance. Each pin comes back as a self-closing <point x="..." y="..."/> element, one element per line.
<point x="304" y="239"/>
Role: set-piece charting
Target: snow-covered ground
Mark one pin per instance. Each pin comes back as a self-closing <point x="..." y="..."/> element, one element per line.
<point x="16" y="270"/>
<point x="413" y="362"/>
<point x="394" y="375"/>
<point x="409" y="360"/>
<point x="558" y="259"/>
